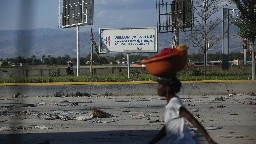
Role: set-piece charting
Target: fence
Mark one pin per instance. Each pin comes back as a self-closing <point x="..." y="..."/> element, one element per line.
<point x="21" y="72"/>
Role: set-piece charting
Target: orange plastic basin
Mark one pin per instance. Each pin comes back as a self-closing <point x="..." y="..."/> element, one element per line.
<point x="165" y="65"/>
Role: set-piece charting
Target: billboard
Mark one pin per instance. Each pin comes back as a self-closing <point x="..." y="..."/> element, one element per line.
<point x="74" y="13"/>
<point x="128" y="40"/>
<point x="182" y="11"/>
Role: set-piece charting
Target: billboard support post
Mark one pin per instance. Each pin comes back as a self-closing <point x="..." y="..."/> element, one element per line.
<point x="77" y="52"/>
<point x="75" y="13"/>
<point x="128" y="64"/>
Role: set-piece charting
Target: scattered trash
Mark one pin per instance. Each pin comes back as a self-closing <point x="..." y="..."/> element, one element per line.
<point x="186" y="100"/>
<point x="231" y="95"/>
<point x="221" y="106"/>
<point x="161" y="98"/>
<point x="138" y="116"/>
<point x="155" y="121"/>
<point x="249" y="103"/>
<point x="191" y="104"/>
<point x="123" y="101"/>
<point x="55" y="115"/>
<point x="252" y="94"/>
<point x="233" y="136"/>
<point x="42" y="127"/>
<point x="233" y="114"/>
<point x="219" y="99"/>
<point x="28" y="105"/>
<point x="100" y="114"/>
<point x="144" y="99"/>
<point x="195" y="110"/>
<point x="85" y="117"/>
<point x="197" y="116"/>
<point x="125" y="110"/>
<point x="105" y="122"/>
<point x="212" y="128"/>
<point x="3" y="120"/>
<point x="17" y="95"/>
<point x="67" y="103"/>
<point x="41" y="103"/>
<point x="5" y="128"/>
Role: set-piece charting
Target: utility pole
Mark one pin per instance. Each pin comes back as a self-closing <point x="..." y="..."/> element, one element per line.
<point x="91" y="52"/>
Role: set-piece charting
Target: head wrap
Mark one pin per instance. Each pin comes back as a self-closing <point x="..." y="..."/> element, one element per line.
<point x="173" y="82"/>
<point x="169" y="79"/>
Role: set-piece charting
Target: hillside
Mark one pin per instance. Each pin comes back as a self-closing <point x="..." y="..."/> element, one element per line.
<point x="59" y="42"/>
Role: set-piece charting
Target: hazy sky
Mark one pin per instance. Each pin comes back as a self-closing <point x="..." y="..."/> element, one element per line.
<point x="30" y="14"/>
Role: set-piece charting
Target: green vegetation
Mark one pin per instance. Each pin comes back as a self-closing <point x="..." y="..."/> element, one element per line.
<point x="189" y="73"/>
<point x="53" y="62"/>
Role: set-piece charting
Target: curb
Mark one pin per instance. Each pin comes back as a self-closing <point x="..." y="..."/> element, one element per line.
<point x="121" y="83"/>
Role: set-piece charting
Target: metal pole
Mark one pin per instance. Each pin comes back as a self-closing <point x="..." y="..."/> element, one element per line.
<point x="225" y="39"/>
<point x="245" y="50"/>
<point x="91" y="49"/>
<point x="205" y="35"/>
<point x="59" y="13"/>
<point x="77" y="52"/>
<point x="253" y="60"/>
<point x="128" y="64"/>
<point x="245" y="62"/>
<point x="175" y="41"/>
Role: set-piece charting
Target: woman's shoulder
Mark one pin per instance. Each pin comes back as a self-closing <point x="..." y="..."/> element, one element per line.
<point x="176" y="99"/>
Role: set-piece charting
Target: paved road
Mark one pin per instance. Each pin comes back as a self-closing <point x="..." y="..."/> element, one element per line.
<point x="230" y="117"/>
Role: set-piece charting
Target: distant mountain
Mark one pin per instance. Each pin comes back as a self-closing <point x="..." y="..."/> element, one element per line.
<point x="59" y="42"/>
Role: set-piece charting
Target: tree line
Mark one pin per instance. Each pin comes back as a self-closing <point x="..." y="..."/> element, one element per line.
<point x="105" y="60"/>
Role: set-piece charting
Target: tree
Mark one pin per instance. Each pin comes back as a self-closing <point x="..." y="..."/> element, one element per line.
<point x="33" y="57"/>
<point x="246" y="22"/>
<point x="206" y="30"/>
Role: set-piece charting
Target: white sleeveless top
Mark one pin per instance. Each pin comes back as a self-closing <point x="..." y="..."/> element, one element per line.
<point x="176" y="130"/>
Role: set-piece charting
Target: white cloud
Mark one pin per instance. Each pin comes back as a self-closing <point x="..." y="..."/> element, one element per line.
<point x="101" y="13"/>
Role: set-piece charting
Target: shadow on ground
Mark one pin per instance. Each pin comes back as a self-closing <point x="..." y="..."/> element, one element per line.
<point x="98" y="137"/>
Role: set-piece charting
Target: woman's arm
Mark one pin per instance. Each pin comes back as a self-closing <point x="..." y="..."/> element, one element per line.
<point x="186" y="114"/>
<point x="159" y="136"/>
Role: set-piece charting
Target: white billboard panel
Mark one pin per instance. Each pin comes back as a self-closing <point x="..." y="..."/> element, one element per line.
<point x="128" y="40"/>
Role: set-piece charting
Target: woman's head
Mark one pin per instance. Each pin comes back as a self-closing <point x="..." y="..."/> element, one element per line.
<point x="168" y="85"/>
